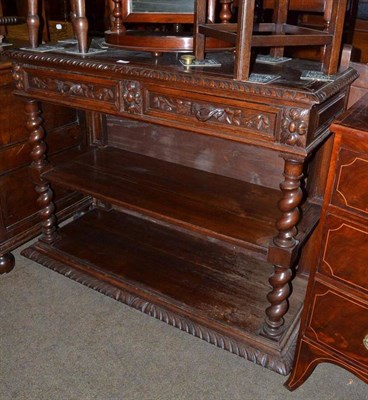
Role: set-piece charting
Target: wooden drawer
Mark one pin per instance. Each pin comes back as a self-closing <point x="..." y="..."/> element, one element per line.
<point x="350" y="192"/>
<point x="345" y="252"/>
<point x="340" y="324"/>
<point x="235" y="117"/>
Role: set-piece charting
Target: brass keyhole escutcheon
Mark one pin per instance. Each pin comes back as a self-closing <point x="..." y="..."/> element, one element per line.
<point x="365" y="341"/>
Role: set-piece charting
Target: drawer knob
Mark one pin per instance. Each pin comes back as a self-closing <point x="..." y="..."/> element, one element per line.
<point x="365" y="341"/>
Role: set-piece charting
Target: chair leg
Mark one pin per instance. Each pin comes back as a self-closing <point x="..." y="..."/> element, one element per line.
<point x="80" y="24"/>
<point x="244" y="40"/>
<point x="33" y="22"/>
<point x="199" y="38"/>
<point x="334" y="22"/>
<point x="280" y="13"/>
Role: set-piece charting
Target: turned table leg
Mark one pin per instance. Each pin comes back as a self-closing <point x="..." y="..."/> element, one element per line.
<point x="281" y="278"/>
<point x="7" y="263"/>
<point x="80" y="24"/>
<point x="38" y="166"/>
<point x="117" y="13"/>
<point x="73" y="15"/>
<point x="33" y="22"/>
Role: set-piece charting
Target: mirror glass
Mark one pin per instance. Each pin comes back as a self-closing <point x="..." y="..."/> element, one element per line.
<point x="162" y="6"/>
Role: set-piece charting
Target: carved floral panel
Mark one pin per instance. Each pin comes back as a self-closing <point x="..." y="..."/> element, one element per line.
<point x="69" y="88"/>
<point x="131" y="94"/>
<point x="256" y="120"/>
<point x="294" y="127"/>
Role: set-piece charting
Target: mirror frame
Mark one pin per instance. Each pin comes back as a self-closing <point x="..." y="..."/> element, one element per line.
<point x="155" y="17"/>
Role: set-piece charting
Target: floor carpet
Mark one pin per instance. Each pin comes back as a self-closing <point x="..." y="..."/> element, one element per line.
<point x="61" y="340"/>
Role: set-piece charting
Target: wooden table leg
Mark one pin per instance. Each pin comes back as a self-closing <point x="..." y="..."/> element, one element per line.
<point x="199" y="38"/>
<point x="280" y="13"/>
<point x="244" y="40"/>
<point x="38" y="166"/>
<point x="280" y="280"/>
<point x="80" y="24"/>
<point x="117" y="14"/>
<point x="33" y="22"/>
<point x="73" y="16"/>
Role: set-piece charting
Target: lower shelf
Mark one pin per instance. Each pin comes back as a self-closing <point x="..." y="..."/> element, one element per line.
<point x="201" y="285"/>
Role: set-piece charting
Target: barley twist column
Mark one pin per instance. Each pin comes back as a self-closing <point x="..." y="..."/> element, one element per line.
<point x="38" y="166"/>
<point x="280" y="279"/>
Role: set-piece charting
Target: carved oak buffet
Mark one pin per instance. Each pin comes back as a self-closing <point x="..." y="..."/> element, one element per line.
<point x="198" y="181"/>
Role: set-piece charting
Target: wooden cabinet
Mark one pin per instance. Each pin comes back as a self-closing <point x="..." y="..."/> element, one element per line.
<point x="335" y="321"/>
<point x="19" y="220"/>
<point x="201" y="205"/>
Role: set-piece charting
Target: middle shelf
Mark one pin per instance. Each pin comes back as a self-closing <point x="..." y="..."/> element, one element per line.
<point x="225" y="208"/>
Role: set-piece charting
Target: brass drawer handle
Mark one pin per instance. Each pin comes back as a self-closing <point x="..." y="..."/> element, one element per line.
<point x="365" y="341"/>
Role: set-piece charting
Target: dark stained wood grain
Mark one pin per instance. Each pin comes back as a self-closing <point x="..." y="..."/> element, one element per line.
<point x="221" y="207"/>
<point x="213" y="204"/>
<point x="360" y="86"/>
<point x="19" y="220"/>
<point x="349" y="192"/>
<point x="221" y="157"/>
<point x="218" y="287"/>
<point x="334" y="260"/>
<point x="335" y="317"/>
<point x="196" y="233"/>
<point x="276" y="34"/>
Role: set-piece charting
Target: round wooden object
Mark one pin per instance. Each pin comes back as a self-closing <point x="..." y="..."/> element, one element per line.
<point x="7" y="263"/>
<point x="160" y="42"/>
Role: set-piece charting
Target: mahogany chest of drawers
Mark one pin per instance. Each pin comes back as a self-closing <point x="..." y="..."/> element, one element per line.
<point x="335" y="321"/>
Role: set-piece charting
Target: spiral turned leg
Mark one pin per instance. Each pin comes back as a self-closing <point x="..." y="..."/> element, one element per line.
<point x="7" y="263"/>
<point x="38" y="166"/>
<point x="280" y="279"/>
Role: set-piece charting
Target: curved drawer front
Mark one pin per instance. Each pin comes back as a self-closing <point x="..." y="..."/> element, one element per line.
<point x="345" y="252"/>
<point x="340" y="324"/>
<point x="351" y="189"/>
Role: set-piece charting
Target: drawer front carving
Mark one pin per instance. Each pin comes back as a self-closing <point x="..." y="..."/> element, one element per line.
<point x="78" y="91"/>
<point x="340" y="324"/>
<point x="345" y="252"/>
<point x="230" y="118"/>
<point x="70" y="88"/>
<point x="351" y="189"/>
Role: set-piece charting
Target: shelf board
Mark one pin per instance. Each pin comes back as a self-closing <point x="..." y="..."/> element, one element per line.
<point x="217" y="206"/>
<point x="238" y="212"/>
<point x="202" y="286"/>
